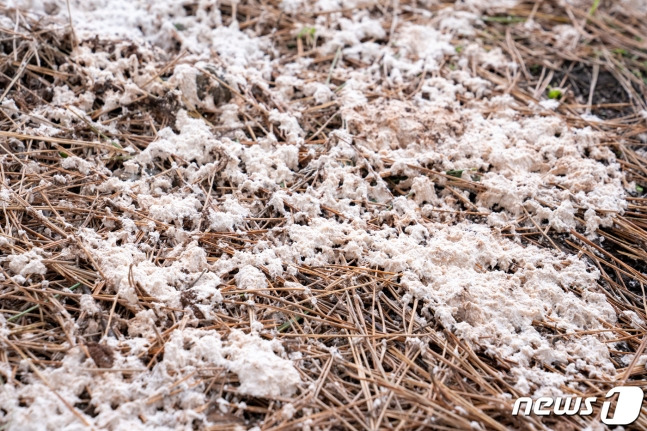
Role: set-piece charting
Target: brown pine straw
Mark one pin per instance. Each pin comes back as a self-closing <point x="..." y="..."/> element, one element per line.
<point x="379" y="379"/>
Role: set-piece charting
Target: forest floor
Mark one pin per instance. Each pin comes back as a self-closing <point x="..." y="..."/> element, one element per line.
<point x="339" y="214"/>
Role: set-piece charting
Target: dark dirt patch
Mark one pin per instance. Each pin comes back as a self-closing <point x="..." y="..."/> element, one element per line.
<point x="577" y="78"/>
<point x="608" y="90"/>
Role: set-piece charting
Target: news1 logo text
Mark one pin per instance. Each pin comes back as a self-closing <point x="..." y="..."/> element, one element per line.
<point x="628" y="405"/>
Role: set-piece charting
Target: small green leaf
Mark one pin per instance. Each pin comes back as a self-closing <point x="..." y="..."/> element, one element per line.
<point x="594" y="7"/>
<point x="291" y="321"/>
<point x="458" y="173"/>
<point x="458" y="49"/>
<point x="35" y="307"/>
<point x="62" y="154"/>
<point x="179" y="27"/>
<point x="554" y="93"/>
<point x="503" y="19"/>
<point x="307" y="31"/>
<point x="639" y="189"/>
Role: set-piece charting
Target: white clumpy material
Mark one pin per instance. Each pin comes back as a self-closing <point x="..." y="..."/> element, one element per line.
<point x="89" y="305"/>
<point x="489" y="291"/>
<point x="223" y="221"/>
<point x="74" y="162"/>
<point x="27" y="263"/>
<point x="262" y="373"/>
<point x="517" y="157"/>
<point x="5" y="194"/>
<point x="551" y="104"/>
<point x="289" y="125"/>
<point x="232" y="215"/>
<point x="486" y="289"/>
<point x="185" y="80"/>
<point x="120" y="400"/>
<point x="195" y="142"/>
<point x="229" y="215"/>
<point x="424" y="44"/>
<point x="169" y="208"/>
<point x="249" y="277"/>
<point x="164" y="284"/>
<point x="260" y="368"/>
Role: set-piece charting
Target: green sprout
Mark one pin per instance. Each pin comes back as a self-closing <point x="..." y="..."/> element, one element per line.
<point x="620" y="51"/>
<point x="554" y="93"/>
<point x="307" y="31"/>
<point x="458" y="173"/>
<point x="36" y="307"/>
<point x="292" y="321"/>
<point x="503" y="19"/>
<point x="639" y="189"/>
<point x="594" y="7"/>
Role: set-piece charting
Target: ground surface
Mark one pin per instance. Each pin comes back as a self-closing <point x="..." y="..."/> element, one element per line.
<point x="319" y="215"/>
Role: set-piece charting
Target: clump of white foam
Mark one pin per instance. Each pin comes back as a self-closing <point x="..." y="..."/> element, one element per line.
<point x="249" y="277"/>
<point x="168" y="396"/>
<point x="261" y="371"/>
<point x="122" y="263"/>
<point x="377" y="172"/>
<point x="28" y="263"/>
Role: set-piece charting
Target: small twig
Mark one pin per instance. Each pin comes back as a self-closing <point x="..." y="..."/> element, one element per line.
<point x="332" y="66"/>
<point x="35" y="307"/>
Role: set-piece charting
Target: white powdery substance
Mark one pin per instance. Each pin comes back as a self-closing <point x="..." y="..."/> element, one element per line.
<point x="290" y="125"/>
<point x="119" y="401"/>
<point x="489" y="290"/>
<point x="518" y="157"/>
<point x="550" y="104"/>
<point x="231" y="215"/>
<point x="249" y="277"/>
<point x="27" y="263"/>
<point x="5" y="195"/>
<point x="195" y="142"/>
<point x="270" y="163"/>
<point x="424" y="44"/>
<point x="164" y="284"/>
<point x="486" y="289"/>
<point x="170" y="208"/>
<point x="266" y="163"/>
<point x="163" y="24"/>
<point x="74" y="162"/>
<point x="184" y="79"/>
<point x="262" y="373"/>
